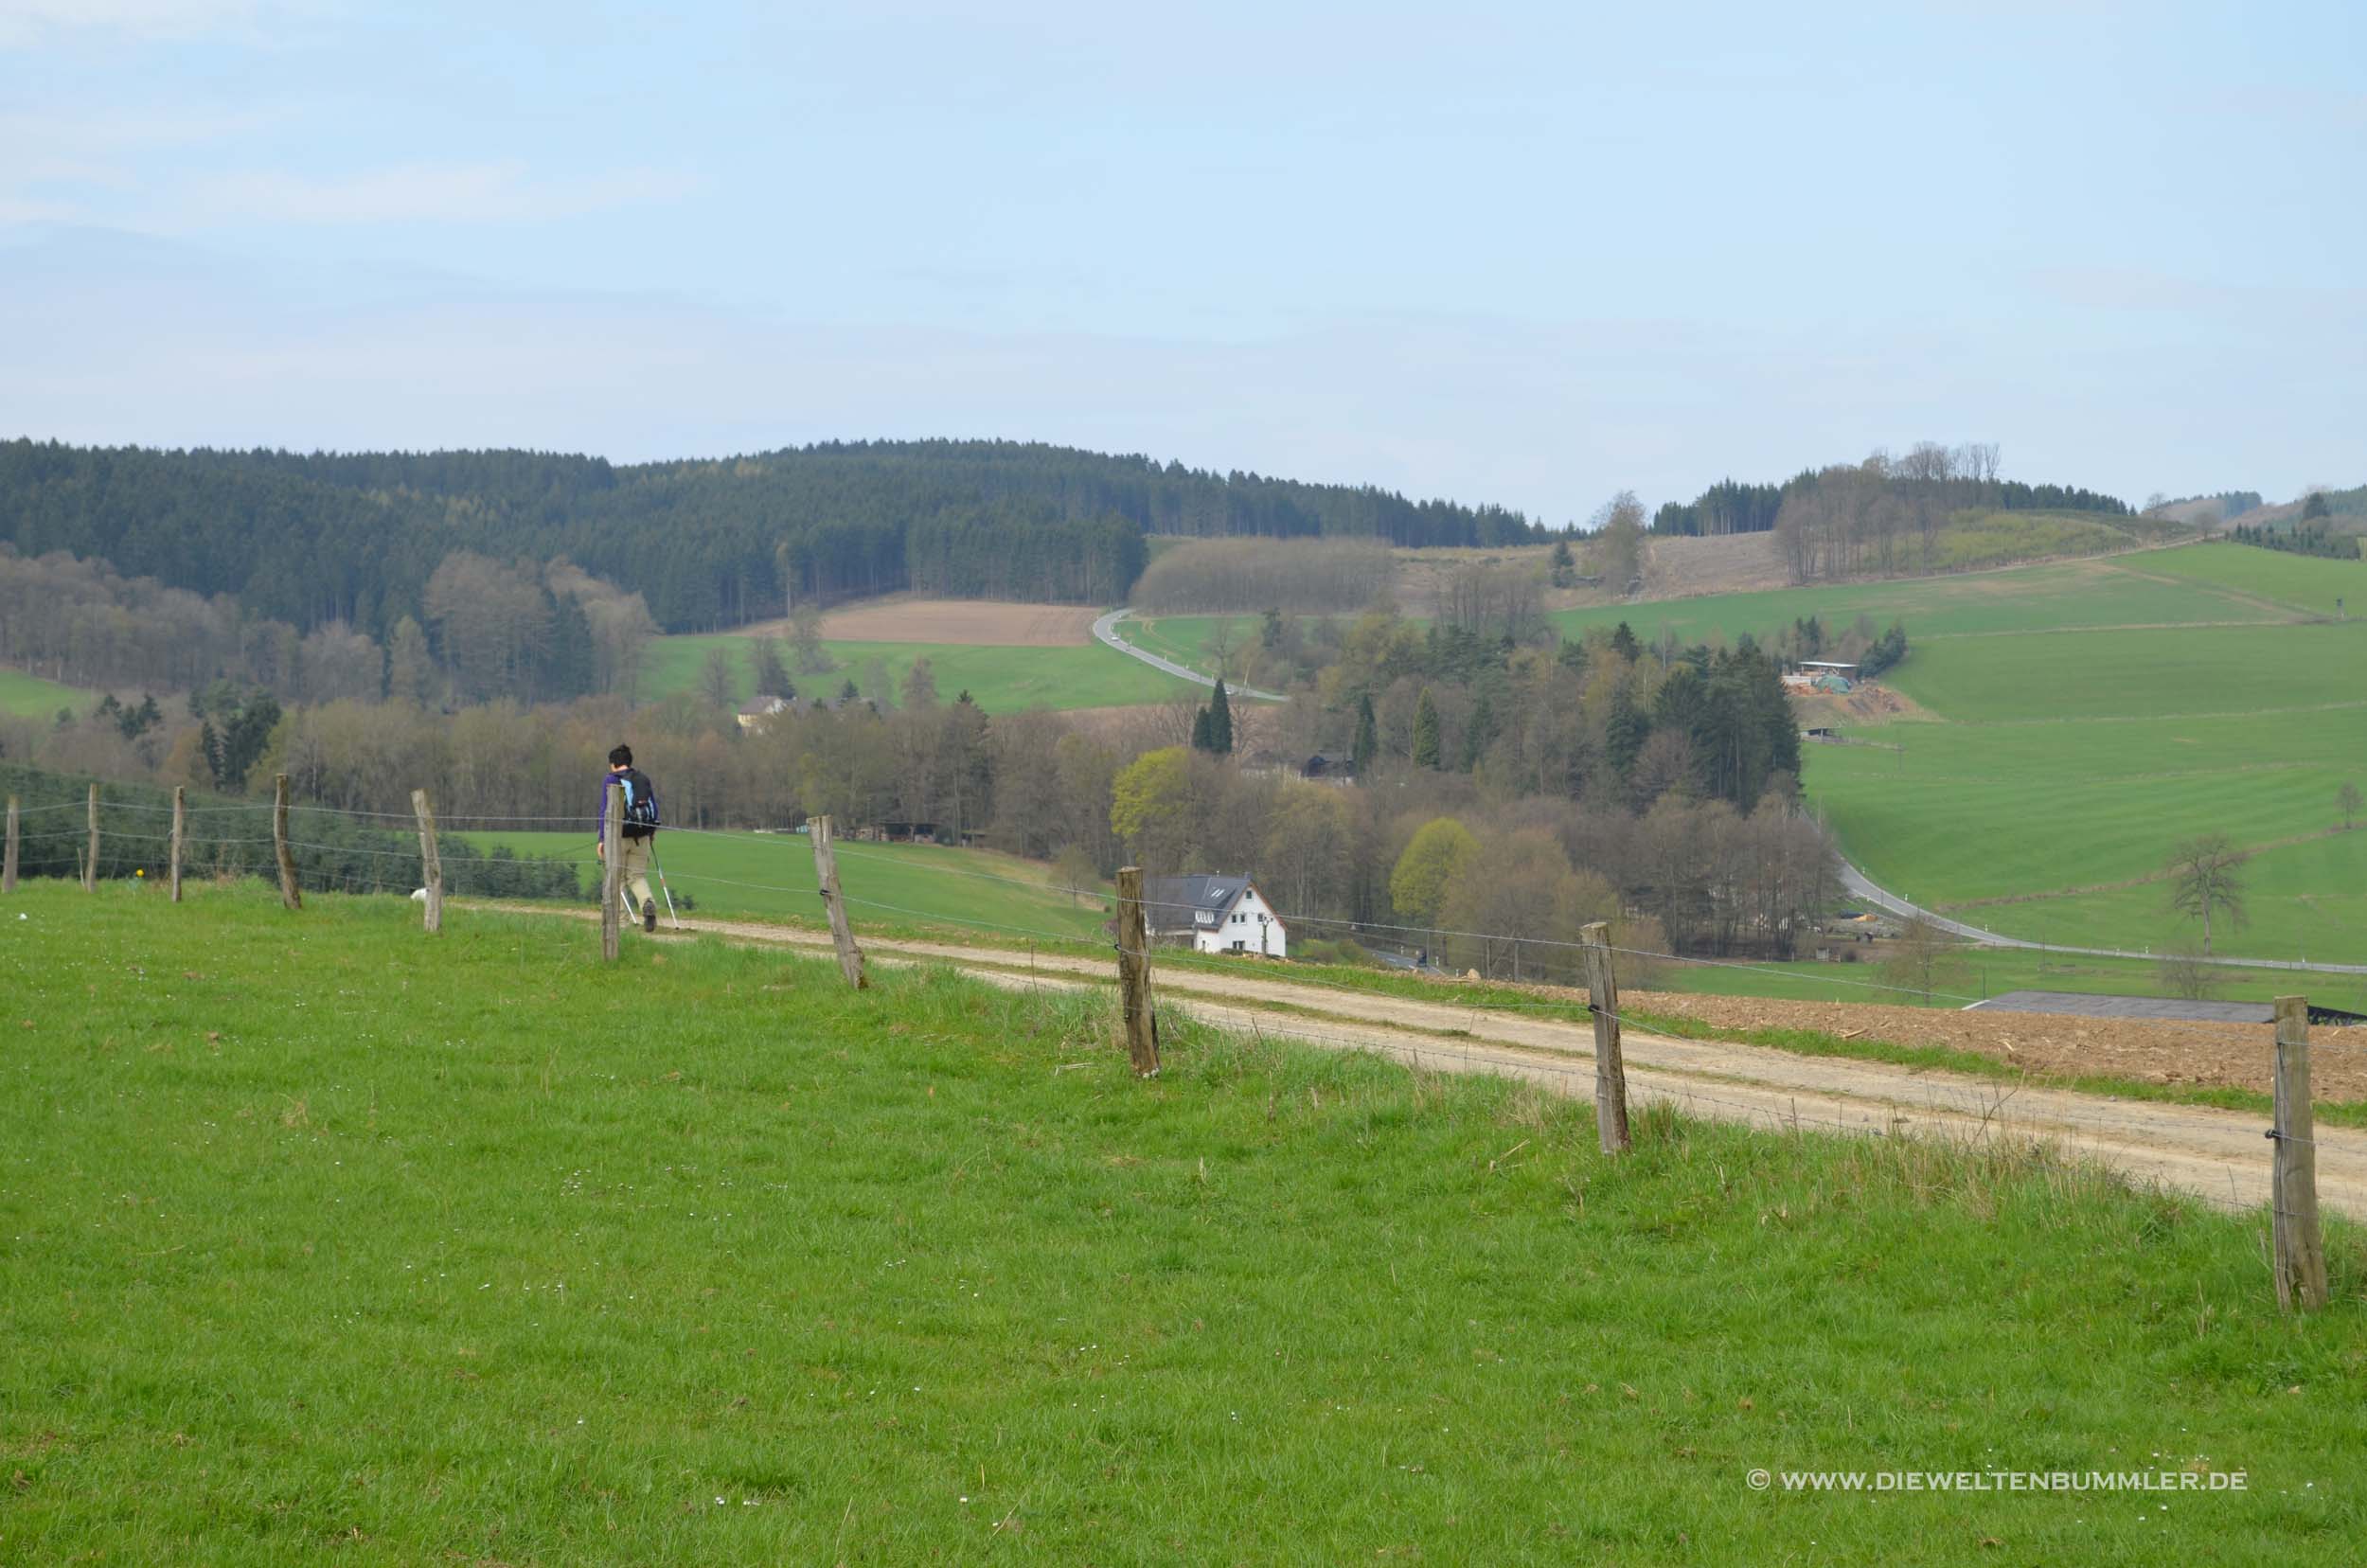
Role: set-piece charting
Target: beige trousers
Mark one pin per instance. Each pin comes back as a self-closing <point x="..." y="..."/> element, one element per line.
<point x="633" y="874"/>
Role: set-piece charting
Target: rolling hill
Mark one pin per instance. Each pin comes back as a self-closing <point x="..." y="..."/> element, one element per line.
<point x="2065" y="744"/>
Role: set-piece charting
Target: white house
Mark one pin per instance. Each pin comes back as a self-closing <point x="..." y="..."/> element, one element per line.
<point x="1216" y="914"/>
<point x="753" y="712"/>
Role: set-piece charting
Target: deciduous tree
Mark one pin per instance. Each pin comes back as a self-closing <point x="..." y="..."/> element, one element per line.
<point x="1417" y="887"/>
<point x="2206" y="876"/>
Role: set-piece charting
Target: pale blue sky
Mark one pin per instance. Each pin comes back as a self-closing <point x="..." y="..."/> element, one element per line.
<point x="1527" y="254"/>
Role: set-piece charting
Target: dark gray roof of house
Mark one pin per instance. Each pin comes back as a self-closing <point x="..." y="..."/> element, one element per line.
<point x="1171" y="900"/>
<point x="2079" y="1004"/>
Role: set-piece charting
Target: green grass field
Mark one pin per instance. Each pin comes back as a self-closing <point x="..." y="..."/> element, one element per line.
<point x="899" y="886"/>
<point x="30" y="697"/>
<point x="2070" y="762"/>
<point x="1001" y="680"/>
<point x="2160" y="588"/>
<point x="328" y="1239"/>
<point x="2309" y="581"/>
<point x="2126" y="591"/>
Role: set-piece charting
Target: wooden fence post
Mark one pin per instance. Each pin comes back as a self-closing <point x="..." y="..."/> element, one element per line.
<point x="2301" y="1253"/>
<point x="90" y="861"/>
<point x="180" y="834"/>
<point x="289" y="894"/>
<point x="8" y="854"/>
<point x="431" y="864"/>
<point x="842" y="934"/>
<point x="1142" y="1022"/>
<point x="1610" y="1069"/>
<point x="612" y="869"/>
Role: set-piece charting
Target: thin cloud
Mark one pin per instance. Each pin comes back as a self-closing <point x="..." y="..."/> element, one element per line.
<point x="497" y="192"/>
<point x="29" y="21"/>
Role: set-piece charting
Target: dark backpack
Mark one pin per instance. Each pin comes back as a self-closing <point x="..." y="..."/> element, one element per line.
<point x="641" y="818"/>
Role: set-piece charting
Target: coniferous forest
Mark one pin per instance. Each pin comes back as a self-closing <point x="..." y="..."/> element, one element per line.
<point x="355" y="539"/>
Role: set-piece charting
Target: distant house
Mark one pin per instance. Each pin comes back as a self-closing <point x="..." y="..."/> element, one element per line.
<point x="755" y="710"/>
<point x="1263" y="763"/>
<point x="1215" y="914"/>
<point x="1320" y="769"/>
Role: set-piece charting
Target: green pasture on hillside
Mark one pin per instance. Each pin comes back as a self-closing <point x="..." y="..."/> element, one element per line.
<point x="2311" y="582"/>
<point x="2304" y="900"/>
<point x="328" y="1239"/>
<point x="1988" y="810"/>
<point x="770" y="875"/>
<point x="30" y="697"/>
<point x="2139" y="674"/>
<point x="2125" y="591"/>
<point x="2139" y="590"/>
<point x="2068" y="762"/>
<point x="1001" y="680"/>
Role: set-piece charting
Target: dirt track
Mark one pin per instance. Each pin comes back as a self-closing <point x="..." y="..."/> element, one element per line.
<point x="2218" y="1155"/>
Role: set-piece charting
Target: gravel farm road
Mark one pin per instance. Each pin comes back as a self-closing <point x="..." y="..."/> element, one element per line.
<point x="2215" y="1154"/>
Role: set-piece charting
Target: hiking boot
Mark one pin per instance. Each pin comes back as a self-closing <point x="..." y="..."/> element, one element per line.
<point x="648" y="913"/>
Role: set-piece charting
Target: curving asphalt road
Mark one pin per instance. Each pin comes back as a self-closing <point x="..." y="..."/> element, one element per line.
<point x="1106" y="630"/>
<point x="1863" y="888"/>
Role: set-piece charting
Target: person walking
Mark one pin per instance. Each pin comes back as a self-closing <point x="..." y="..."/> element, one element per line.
<point x="637" y="831"/>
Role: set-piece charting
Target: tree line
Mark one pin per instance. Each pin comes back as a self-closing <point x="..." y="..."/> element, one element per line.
<point x="2309" y="539"/>
<point x="1930" y="479"/>
<point x="546" y="631"/>
<point x="321" y="538"/>
<point x="1633" y="758"/>
<point x="1602" y="717"/>
<point x="1240" y="575"/>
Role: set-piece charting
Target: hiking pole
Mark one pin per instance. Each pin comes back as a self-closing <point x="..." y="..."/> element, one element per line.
<point x="660" y="868"/>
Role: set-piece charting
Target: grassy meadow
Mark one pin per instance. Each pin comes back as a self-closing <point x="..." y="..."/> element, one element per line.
<point x="30" y="697"/>
<point x="771" y="876"/>
<point x="2135" y="590"/>
<point x="328" y="1239"/>
<point x="1186" y="638"/>
<point x="1001" y="680"/>
<point x="2160" y="588"/>
<point x="2063" y="765"/>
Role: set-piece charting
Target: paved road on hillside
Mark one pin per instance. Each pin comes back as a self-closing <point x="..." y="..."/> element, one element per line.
<point x="1106" y="629"/>
<point x="2215" y="1154"/>
<point x="1863" y="888"/>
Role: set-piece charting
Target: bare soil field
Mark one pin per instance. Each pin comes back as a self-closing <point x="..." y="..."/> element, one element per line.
<point x="971" y="623"/>
<point x="2226" y="1056"/>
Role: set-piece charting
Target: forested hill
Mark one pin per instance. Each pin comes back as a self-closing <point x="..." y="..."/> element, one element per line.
<point x="312" y="538"/>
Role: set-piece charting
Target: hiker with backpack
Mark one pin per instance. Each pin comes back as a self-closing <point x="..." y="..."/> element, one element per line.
<point x="638" y="829"/>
